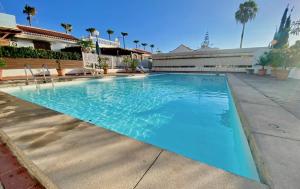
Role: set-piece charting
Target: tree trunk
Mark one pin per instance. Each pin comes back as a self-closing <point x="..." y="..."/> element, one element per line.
<point x="124" y="42"/>
<point x="29" y="20"/>
<point x="242" y="36"/>
<point x="109" y="36"/>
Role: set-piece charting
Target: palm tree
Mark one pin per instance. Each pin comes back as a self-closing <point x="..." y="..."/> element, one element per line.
<point x="68" y="27"/>
<point x="124" y="34"/>
<point x="30" y="12"/>
<point x="152" y="46"/>
<point x="91" y="31"/>
<point x="110" y="32"/>
<point x="144" y="45"/>
<point x="136" y="43"/>
<point x="247" y="12"/>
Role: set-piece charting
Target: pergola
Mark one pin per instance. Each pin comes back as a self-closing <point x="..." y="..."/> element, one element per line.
<point x="6" y="33"/>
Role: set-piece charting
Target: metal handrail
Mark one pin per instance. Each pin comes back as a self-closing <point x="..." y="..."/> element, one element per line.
<point x="28" y="67"/>
<point x="45" y="67"/>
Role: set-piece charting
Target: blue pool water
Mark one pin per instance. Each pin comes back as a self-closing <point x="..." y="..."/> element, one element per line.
<point x="190" y="114"/>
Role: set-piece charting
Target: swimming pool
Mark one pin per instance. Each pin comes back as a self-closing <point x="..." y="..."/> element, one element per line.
<point x="190" y="114"/>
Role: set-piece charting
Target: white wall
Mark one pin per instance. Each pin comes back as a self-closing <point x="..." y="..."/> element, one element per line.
<point x="227" y="60"/>
<point x="57" y="46"/>
<point x="24" y="43"/>
<point x="295" y="73"/>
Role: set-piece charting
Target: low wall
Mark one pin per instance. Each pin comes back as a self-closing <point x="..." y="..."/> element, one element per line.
<point x="36" y="63"/>
<point x="15" y="66"/>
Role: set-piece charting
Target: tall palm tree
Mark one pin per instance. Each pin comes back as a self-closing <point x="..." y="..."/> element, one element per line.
<point x="124" y="34"/>
<point x="91" y="31"/>
<point x="247" y="12"/>
<point x="152" y="46"/>
<point x="68" y="27"/>
<point x="144" y="45"/>
<point x="30" y="12"/>
<point x="109" y="32"/>
<point x="136" y="43"/>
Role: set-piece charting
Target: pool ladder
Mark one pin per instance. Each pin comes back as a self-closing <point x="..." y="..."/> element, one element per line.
<point x="26" y="69"/>
<point x="45" y="69"/>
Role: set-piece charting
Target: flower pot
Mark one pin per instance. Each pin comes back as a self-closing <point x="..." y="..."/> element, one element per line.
<point x="60" y="72"/>
<point x="1" y="74"/>
<point x="282" y="74"/>
<point x="273" y="73"/>
<point x="262" y="72"/>
<point x="105" y="71"/>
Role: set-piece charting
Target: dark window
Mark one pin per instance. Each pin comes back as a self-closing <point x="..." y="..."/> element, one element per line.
<point x="42" y="45"/>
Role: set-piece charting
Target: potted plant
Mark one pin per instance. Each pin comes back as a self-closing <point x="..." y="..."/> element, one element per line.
<point x="280" y="62"/>
<point x="133" y="64"/>
<point x="126" y="62"/>
<point x="2" y="64"/>
<point x="103" y="64"/>
<point x="59" y="69"/>
<point x="263" y="61"/>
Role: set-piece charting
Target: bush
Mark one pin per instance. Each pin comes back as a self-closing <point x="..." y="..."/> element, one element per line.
<point x="2" y="63"/>
<point x="28" y="52"/>
<point x="264" y="60"/>
<point x="133" y="64"/>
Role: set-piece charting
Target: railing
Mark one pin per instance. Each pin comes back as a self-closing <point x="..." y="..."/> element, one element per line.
<point x="28" y="67"/>
<point x="104" y="42"/>
<point x="46" y="69"/>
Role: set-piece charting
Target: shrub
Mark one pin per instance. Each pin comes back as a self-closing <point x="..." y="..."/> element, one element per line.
<point x="2" y="63"/>
<point x="28" y="52"/>
<point x="264" y="60"/>
<point x="133" y="64"/>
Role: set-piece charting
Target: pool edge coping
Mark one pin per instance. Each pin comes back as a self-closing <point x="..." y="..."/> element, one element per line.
<point x="261" y="166"/>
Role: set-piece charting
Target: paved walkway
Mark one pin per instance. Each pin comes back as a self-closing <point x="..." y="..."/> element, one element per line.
<point x="12" y="174"/>
<point x="269" y="112"/>
<point x="65" y="152"/>
<point x="284" y="93"/>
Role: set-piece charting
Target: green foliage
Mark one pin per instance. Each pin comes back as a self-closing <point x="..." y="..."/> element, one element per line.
<point x="86" y="45"/>
<point x="91" y="30"/>
<point x="281" y="37"/>
<point x="126" y="61"/>
<point x="264" y="60"/>
<point x="284" y="57"/>
<point x="67" y="27"/>
<point x="29" y="11"/>
<point x="2" y="63"/>
<point x="247" y="12"/>
<point x="295" y="54"/>
<point x="103" y="62"/>
<point x="295" y="28"/>
<point x="27" y="52"/>
<point x="133" y="64"/>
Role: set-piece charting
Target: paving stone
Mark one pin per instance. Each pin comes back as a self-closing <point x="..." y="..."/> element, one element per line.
<point x="17" y="179"/>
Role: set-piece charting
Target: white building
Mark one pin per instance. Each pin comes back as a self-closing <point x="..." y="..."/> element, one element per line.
<point x="207" y="60"/>
<point x="26" y="36"/>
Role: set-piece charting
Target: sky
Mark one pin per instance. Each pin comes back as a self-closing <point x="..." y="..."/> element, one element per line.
<point x="164" y="23"/>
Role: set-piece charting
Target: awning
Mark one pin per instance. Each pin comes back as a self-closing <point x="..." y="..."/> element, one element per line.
<point x="117" y="51"/>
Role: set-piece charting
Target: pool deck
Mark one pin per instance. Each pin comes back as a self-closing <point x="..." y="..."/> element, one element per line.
<point x="64" y="152"/>
<point x="269" y="112"/>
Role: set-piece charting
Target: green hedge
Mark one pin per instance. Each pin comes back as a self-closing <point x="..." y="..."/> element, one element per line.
<point x="28" y="52"/>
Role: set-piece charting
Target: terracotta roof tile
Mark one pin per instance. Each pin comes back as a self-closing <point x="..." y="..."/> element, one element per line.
<point x="47" y="33"/>
<point x="142" y="51"/>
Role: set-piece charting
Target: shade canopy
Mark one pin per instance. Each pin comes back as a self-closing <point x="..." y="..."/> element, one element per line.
<point x="117" y="51"/>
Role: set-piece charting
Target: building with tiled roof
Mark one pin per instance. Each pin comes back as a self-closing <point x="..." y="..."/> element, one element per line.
<point x="27" y="36"/>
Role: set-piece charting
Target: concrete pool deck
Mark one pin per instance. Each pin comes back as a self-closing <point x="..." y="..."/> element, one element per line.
<point x="64" y="152"/>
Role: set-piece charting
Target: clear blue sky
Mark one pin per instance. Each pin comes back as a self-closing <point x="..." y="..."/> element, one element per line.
<point x="165" y="23"/>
